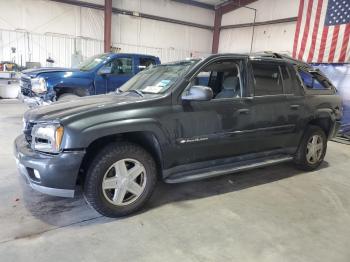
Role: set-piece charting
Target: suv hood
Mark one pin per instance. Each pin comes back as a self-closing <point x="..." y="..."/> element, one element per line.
<point x="84" y="105"/>
<point x="37" y="71"/>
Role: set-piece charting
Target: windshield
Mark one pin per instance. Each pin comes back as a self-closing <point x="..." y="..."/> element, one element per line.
<point x="91" y="62"/>
<point x="158" y="79"/>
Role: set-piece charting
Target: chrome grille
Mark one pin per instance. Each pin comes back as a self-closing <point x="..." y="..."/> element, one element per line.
<point x="28" y="131"/>
<point x="26" y="86"/>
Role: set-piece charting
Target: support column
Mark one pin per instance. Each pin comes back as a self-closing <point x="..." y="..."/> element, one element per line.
<point x="108" y="26"/>
<point x="225" y="8"/>
<point x="216" y="33"/>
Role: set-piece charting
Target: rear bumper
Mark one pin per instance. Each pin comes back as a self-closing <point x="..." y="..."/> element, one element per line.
<point x="345" y="130"/>
<point x="336" y="127"/>
<point x="58" y="173"/>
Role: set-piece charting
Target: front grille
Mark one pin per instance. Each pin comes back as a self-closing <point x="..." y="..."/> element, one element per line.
<point x="26" y="86"/>
<point x="28" y="131"/>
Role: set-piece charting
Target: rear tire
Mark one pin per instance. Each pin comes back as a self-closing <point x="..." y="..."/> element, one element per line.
<point x="312" y="149"/>
<point x="67" y="97"/>
<point x="120" y="179"/>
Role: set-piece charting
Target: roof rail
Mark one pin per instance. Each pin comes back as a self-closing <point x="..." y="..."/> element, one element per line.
<point x="280" y="56"/>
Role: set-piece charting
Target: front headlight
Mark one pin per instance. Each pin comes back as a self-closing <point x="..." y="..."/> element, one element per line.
<point x="47" y="137"/>
<point x="39" y="85"/>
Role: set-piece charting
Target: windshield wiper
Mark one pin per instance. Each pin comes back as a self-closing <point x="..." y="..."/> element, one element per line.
<point x="135" y="91"/>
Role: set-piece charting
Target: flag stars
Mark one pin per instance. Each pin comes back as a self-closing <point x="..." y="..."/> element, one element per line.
<point x="337" y="12"/>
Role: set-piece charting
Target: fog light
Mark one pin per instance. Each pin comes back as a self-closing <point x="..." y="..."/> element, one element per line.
<point x="36" y="174"/>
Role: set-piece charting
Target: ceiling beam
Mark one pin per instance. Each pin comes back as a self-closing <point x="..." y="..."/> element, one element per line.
<point x="270" y="22"/>
<point x="196" y="4"/>
<point x="232" y="5"/>
<point x="133" y="13"/>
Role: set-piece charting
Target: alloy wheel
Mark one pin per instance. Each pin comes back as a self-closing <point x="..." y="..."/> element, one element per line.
<point x="124" y="182"/>
<point x="314" y="149"/>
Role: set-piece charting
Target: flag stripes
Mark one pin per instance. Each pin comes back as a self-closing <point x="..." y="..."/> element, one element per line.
<point x="323" y="31"/>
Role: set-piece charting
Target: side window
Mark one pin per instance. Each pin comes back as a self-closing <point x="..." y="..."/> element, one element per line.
<point x="267" y="79"/>
<point x="313" y="80"/>
<point x="146" y="62"/>
<point x="121" y="66"/>
<point x="202" y="79"/>
<point x="223" y="77"/>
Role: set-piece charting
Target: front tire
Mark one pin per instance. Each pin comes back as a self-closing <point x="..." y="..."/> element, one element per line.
<point x="120" y="179"/>
<point x="312" y="149"/>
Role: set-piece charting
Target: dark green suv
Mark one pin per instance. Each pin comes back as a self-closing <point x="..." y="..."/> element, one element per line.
<point x="180" y="122"/>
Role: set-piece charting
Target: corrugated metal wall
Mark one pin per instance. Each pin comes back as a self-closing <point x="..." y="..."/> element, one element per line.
<point x="39" y="29"/>
<point x="276" y="37"/>
<point x="35" y="47"/>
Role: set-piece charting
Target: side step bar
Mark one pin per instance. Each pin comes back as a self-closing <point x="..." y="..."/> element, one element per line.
<point x="225" y="169"/>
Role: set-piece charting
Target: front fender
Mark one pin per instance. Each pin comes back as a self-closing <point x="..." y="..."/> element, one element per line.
<point x="78" y="139"/>
<point x="85" y="84"/>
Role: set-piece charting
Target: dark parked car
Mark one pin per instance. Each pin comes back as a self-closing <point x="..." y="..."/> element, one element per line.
<point x="249" y="111"/>
<point x="99" y="74"/>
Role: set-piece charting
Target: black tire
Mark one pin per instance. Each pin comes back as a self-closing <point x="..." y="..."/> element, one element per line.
<point x="96" y="196"/>
<point x="67" y="97"/>
<point x="301" y="157"/>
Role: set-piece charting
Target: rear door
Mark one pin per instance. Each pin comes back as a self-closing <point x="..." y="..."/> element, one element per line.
<point x="273" y="126"/>
<point x="295" y="102"/>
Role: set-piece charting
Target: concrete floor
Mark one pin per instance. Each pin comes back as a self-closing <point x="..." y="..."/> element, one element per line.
<point x="271" y="214"/>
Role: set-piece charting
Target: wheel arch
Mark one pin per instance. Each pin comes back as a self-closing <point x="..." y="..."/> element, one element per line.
<point x="146" y="139"/>
<point x="325" y="119"/>
<point x="79" y="91"/>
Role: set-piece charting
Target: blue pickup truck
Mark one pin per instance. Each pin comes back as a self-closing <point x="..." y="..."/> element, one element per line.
<point x="99" y="74"/>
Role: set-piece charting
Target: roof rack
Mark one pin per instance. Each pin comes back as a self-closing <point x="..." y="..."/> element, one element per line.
<point x="266" y="54"/>
<point x="279" y="56"/>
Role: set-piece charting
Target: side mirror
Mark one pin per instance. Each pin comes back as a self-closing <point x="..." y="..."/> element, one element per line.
<point x="198" y="93"/>
<point x="106" y="70"/>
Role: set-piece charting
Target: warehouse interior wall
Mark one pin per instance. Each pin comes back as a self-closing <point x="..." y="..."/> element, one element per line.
<point x="39" y="29"/>
<point x="275" y="37"/>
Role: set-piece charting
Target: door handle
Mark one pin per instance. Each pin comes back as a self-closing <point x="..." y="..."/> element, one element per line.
<point x="295" y="107"/>
<point x="243" y="111"/>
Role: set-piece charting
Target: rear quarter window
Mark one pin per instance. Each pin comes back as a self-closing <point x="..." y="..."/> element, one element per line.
<point x="314" y="81"/>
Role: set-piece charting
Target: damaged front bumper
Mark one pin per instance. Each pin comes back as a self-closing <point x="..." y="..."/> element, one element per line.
<point x="32" y="101"/>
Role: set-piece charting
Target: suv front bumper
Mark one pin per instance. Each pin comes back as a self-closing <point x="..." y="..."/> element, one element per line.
<point x="58" y="173"/>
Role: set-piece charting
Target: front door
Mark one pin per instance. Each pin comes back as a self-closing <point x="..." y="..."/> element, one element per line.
<point x="219" y="128"/>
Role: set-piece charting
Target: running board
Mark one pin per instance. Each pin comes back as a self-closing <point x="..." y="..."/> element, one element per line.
<point x="225" y="169"/>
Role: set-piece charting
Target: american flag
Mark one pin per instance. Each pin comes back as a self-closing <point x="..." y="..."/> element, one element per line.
<point x="323" y="31"/>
